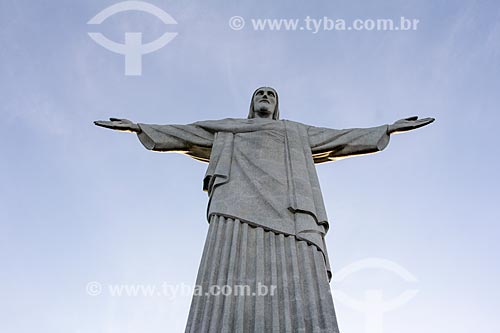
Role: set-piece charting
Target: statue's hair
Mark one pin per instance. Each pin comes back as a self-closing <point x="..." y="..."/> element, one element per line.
<point x="276" y="112"/>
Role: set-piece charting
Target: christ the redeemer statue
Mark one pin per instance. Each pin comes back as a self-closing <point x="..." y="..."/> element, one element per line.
<point x="266" y="213"/>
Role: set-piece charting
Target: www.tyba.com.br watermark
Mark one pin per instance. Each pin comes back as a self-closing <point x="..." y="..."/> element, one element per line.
<point x="171" y="291"/>
<point x="325" y="23"/>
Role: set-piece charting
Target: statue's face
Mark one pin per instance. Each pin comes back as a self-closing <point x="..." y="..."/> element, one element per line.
<point x="264" y="102"/>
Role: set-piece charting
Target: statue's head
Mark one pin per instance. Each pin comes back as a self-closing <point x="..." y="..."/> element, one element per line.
<point x="264" y="104"/>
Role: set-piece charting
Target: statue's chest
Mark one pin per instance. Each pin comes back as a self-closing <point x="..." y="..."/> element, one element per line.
<point x="263" y="147"/>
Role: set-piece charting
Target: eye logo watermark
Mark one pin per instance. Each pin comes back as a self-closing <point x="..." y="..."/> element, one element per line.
<point x="374" y="306"/>
<point x="133" y="49"/>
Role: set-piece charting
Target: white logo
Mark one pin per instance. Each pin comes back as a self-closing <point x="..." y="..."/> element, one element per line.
<point x="236" y="22"/>
<point x="374" y="305"/>
<point x="133" y="49"/>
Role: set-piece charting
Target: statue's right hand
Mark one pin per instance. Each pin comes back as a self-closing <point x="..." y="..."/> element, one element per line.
<point x="117" y="124"/>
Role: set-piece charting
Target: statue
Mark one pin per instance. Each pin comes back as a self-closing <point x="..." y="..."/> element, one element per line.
<point x="266" y="214"/>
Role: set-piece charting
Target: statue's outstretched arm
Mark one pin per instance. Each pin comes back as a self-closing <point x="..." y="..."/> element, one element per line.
<point x="329" y="144"/>
<point x="332" y="144"/>
<point x="192" y="139"/>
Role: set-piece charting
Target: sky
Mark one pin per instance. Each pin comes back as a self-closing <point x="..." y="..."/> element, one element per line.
<point x="83" y="206"/>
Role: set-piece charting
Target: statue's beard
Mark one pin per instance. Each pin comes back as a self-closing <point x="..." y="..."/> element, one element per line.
<point x="263" y="111"/>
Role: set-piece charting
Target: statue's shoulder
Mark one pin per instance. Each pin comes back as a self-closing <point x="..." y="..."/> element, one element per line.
<point x="222" y="121"/>
<point x="224" y="125"/>
<point x="295" y="124"/>
<point x="236" y="125"/>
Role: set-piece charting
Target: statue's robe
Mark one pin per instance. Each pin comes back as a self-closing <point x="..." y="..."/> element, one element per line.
<point x="267" y="217"/>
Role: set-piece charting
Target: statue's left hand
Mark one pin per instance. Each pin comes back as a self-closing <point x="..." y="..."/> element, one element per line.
<point x="408" y="124"/>
<point x="117" y="124"/>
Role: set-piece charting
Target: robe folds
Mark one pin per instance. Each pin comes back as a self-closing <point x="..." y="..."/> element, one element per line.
<point x="262" y="172"/>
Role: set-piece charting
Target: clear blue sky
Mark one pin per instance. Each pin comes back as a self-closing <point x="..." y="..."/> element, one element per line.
<point x="79" y="203"/>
